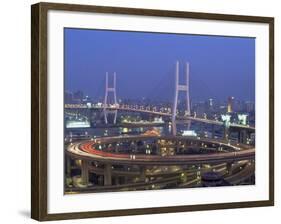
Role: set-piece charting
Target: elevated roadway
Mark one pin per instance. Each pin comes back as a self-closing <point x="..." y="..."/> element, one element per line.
<point x="87" y="150"/>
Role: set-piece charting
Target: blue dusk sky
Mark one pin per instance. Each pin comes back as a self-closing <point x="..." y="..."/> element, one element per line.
<point x="145" y="64"/>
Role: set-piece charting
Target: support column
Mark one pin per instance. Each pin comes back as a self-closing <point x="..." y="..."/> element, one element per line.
<point x="68" y="166"/>
<point x="105" y="103"/>
<point x="100" y="180"/>
<point x="225" y="132"/>
<point x="117" y="180"/>
<point x="229" y="168"/>
<point x="177" y="147"/>
<point x="243" y="136"/>
<point x="174" y="127"/>
<point x="85" y="172"/>
<point x="107" y="175"/>
<point x="142" y="173"/>
<point x="174" y="112"/>
<point x="126" y="179"/>
<point x="178" y="88"/>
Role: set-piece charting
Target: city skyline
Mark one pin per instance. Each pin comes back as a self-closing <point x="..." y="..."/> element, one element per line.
<point x="86" y="61"/>
<point x="142" y="129"/>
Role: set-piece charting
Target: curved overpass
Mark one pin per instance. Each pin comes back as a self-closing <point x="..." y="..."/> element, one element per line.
<point x="87" y="150"/>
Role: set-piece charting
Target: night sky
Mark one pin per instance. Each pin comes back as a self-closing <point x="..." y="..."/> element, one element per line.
<point x="145" y="64"/>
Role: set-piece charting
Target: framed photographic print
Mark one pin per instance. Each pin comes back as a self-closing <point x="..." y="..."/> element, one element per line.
<point x="140" y="111"/>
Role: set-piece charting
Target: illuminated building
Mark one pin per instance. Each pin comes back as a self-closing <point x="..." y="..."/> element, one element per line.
<point x="230" y="104"/>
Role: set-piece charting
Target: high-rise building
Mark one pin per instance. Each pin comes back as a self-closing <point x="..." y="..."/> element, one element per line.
<point x="230" y="104"/>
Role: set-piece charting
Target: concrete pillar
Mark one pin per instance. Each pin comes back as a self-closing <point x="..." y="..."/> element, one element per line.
<point x="126" y="179"/>
<point x="177" y="147"/>
<point x="225" y="133"/>
<point x="100" y="180"/>
<point x="84" y="172"/>
<point x="229" y="168"/>
<point x="117" y="180"/>
<point x="107" y="175"/>
<point x="188" y="125"/>
<point x="243" y="136"/>
<point x="174" y="128"/>
<point x="68" y="166"/>
<point x="142" y="173"/>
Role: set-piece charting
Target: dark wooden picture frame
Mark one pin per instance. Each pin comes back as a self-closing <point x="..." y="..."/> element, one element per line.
<point x="39" y="121"/>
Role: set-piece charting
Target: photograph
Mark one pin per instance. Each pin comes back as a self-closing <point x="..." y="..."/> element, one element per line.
<point x="155" y="110"/>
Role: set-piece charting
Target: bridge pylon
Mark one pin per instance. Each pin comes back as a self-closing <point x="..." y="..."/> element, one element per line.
<point x="108" y="90"/>
<point x="180" y="88"/>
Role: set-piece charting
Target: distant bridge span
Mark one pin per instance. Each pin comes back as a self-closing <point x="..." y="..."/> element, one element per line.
<point x="142" y="109"/>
